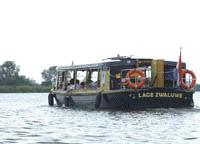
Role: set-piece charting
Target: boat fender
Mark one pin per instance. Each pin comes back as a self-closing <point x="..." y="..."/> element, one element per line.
<point x="50" y="99"/>
<point x="66" y="101"/>
<point x="69" y="101"/>
<point x="98" y="100"/>
<point x="105" y="97"/>
<point x="133" y="85"/>
<point x="57" y="101"/>
<point x="193" y="79"/>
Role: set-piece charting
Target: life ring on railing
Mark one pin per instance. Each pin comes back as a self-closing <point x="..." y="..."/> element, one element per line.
<point x="193" y="79"/>
<point x="133" y="85"/>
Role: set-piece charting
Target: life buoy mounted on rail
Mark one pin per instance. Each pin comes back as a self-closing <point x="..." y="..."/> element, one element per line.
<point x="193" y="79"/>
<point x="133" y="85"/>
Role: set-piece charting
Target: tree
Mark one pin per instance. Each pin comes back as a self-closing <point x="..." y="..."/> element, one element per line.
<point x="10" y="70"/>
<point x="9" y="75"/>
<point x="48" y="75"/>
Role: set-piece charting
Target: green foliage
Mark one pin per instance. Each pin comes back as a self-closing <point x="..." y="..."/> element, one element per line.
<point x="24" y="89"/>
<point x="12" y="82"/>
<point x="10" y="70"/>
<point x="197" y="87"/>
<point x="48" y="75"/>
<point x="9" y="75"/>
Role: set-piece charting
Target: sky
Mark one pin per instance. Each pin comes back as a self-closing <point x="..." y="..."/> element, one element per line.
<point x="37" y="34"/>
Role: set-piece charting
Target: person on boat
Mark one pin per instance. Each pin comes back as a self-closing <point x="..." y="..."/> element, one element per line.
<point x="78" y="86"/>
<point x="61" y="86"/>
<point x="71" y="86"/>
<point x="82" y="85"/>
<point x="90" y="84"/>
<point x="93" y="85"/>
<point x="66" y="86"/>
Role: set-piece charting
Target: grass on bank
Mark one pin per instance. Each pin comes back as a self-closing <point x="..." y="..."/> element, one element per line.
<point x="25" y="89"/>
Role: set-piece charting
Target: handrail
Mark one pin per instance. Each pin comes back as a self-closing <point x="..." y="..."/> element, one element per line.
<point x="152" y="79"/>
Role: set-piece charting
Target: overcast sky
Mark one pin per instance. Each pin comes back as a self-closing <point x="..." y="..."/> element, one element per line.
<point x="37" y="34"/>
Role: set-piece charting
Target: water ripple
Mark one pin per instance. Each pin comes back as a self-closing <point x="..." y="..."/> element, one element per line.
<point x="31" y="120"/>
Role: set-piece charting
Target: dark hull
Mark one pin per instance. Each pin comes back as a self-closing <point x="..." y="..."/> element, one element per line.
<point x="149" y="98"/>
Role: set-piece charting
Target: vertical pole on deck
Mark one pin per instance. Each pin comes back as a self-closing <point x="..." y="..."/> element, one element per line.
<point x="64" y="82"/>
<point x="137" y="65"/>
<point x="75" y="73"/>
<point x="58" y="80"/>
<point x="86" y="80"/>
<point x="98" y="79"/>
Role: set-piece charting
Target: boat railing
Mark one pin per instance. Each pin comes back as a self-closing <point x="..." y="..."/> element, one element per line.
<point x="136" y="79"/>
<point x="170" y="78"/>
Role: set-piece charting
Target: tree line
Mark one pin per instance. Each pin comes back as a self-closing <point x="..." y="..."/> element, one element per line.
<point x="48" y="75"/>
<point x="12" y="82"/>
<point x="9" y="75"/>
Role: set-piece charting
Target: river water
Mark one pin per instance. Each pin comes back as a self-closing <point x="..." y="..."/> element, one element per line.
<point x="27" y="118"/>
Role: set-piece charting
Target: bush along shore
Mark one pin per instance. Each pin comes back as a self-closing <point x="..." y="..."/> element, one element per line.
<point x="25" y="89"/>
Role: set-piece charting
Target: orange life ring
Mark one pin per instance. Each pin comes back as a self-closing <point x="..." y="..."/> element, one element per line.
<point x="193" y="79"/>
<point x="128" y="76"/>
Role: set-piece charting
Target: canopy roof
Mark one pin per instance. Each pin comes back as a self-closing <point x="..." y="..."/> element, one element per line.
<point x="115" y="62"/>
<point x="104" y="65"/>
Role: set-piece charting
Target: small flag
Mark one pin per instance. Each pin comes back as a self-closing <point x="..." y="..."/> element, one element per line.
<point x="180" y="66"/>
<point x="178" y="71"/>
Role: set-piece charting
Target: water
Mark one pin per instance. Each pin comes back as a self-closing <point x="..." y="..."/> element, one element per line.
<point x="27" y="118"/>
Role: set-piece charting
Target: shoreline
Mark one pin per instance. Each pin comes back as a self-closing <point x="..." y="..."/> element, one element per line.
<point x="25" y="89"/>
<point x="39" y="89"/>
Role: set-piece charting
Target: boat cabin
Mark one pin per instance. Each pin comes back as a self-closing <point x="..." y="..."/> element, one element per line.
<point x="112" y="75"/>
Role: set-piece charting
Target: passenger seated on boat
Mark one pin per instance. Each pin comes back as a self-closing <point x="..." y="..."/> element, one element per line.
<point x="66" y="86"/>
<point x="90" y="84"/>
<point x="61" y="86"/>
<point x="78" y="84"/>
<point x="82" y="85"/>
<point x="71" y="85"/>
<point x="93" y="85"/>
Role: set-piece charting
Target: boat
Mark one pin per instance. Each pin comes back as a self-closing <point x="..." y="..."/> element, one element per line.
<point x="124" y="82"/>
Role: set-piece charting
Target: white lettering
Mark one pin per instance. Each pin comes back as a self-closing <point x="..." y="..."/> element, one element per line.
<point x="157" y="94"/>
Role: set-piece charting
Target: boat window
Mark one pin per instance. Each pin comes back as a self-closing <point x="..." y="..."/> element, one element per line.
<point x="60" y="79"/>
<point x="92" y="79"/>
<point x="87" y="79"/>
<point x="148" y="76"/>
<point x="81" y="75"/>
<point x="94" y="76"/>
<point x="95" y="79"/>
<point x="68" y="76"/>
<point x="81" y="78"/>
